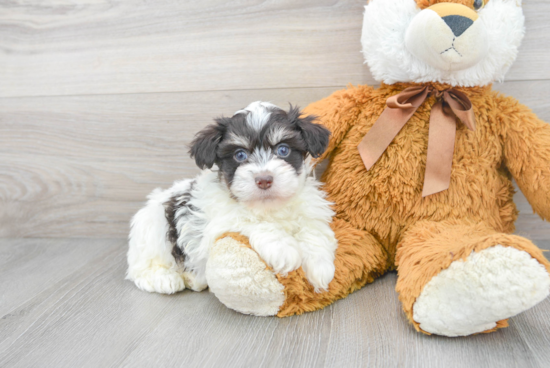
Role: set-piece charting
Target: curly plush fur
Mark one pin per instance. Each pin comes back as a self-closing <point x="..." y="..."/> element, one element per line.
<point x="385" y="207"/>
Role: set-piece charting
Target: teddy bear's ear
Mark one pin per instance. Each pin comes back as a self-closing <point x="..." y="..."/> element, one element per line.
<point x="316" y="136"/>
<point x="204" y="145"/>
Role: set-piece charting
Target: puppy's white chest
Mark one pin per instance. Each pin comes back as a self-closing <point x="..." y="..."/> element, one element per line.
<point x="282" y="221"/>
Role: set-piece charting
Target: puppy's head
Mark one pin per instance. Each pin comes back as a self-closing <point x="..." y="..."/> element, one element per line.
<point x="261" y="151"/>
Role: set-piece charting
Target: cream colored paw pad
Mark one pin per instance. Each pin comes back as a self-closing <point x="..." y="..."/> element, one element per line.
<point x="471" y="296"/>
<point x="241" y="281"/>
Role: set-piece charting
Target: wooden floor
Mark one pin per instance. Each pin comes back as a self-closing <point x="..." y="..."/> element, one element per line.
<point x="98" y="101"/>
<point x="65" y="304"/>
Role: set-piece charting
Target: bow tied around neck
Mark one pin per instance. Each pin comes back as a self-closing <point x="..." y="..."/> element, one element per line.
<point x="451" y="104"/>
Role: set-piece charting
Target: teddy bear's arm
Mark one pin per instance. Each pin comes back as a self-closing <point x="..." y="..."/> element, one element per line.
<point x="338" y="113"/>
<point x="527" y="154"/>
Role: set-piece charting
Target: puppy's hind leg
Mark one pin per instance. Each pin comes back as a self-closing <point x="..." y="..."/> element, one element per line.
<point x="151" y="265"/>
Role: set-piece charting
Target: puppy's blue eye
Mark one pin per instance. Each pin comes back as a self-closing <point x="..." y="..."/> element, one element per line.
<point x="241" y="155"/>
<point x="283" y="150"/>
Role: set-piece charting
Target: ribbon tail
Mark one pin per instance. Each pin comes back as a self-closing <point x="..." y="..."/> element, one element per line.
<point x="382" y="133"/>
<point x="441" y="142"/>
<point x="462" y="108"/>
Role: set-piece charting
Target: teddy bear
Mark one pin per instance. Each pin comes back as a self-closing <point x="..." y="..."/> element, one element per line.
<point x="420" y="173"/>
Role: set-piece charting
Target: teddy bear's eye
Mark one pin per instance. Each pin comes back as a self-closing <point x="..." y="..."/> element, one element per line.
<point x="478" y="4"/>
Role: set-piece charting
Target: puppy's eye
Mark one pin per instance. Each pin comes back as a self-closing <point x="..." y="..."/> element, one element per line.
<point x="478" y="4"/>
<point x="241" y="155"/>
<point x="283" y="150"/>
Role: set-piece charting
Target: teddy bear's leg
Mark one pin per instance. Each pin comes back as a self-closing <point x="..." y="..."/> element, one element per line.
<point x="242" y="281"/>
<point x="457" y="278"/>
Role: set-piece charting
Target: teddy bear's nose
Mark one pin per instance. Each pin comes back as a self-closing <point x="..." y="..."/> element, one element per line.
<point x="458" y="24"/>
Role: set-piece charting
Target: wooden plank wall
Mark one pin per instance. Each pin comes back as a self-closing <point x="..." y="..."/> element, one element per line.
<point x="98" y="99"/>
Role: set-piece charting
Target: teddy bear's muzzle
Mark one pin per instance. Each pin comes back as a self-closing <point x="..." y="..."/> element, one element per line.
<point x="447" y="36"/>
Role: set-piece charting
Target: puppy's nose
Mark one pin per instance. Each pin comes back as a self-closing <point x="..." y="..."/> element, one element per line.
<point x="264" y="182"/>
<point x="458" y="24"/>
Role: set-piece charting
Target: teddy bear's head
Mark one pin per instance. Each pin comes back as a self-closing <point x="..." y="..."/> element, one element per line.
<point x="457" y="42"/>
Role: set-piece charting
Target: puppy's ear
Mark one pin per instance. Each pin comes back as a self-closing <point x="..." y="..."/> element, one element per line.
<point x="203" y="146"/>
<point x="316" y="136"/>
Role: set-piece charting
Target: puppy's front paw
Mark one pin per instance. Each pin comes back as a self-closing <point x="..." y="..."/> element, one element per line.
<point x="280" y="256"/>
<point x="194" y="282"/>
<point x="159" y="280"/>
<point x="319" y="273"/>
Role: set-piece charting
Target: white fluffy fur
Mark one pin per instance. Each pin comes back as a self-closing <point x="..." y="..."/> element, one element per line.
<point x="258" y="113"/>
<point x="151" y="264"/>
<point x="288" y="230"/>
<point x="471" y="296"/>
<point x="388" y="53"/>
<point x="285" y="185"/>
<point x="430" y="39"/>
<point x="288" y="224"/>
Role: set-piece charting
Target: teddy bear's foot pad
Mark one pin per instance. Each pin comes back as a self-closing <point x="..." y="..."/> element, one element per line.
<point x="241" y="281"/>
<point x="471" y="296"/>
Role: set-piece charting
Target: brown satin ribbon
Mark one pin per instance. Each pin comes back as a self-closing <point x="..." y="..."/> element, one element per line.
<point x="400" y="108"/>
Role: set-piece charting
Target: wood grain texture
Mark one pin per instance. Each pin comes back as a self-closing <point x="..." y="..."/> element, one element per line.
<point x="80" y="166"/>
<point x="81" y="313"/>
<point x="62" y="47"/>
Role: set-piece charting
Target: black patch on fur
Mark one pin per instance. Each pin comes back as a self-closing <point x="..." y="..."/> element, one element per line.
<point x="226" y="151"/>
<point x="178" y="255"/>
<point x="228" y="166"/>
<point x="203" y="146"/>
<point x="170" y="209"/>
<point x="295" y="159"/>
<point x="316" y="136"/>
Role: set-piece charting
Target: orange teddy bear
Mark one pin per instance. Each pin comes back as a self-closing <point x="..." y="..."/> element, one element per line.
<point x="421" y="175"/>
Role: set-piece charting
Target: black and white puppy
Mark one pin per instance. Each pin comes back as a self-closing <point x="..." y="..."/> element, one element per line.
<point x="262" y="188"/>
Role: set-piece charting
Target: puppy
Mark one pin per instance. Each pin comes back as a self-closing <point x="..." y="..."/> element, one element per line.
<point x="262" y="188"/>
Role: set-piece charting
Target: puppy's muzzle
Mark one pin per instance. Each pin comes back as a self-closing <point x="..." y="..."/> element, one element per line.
<point x="264" y="182"/>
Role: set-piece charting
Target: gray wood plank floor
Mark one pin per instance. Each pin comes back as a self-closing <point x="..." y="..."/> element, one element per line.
<point x="65" y="303"/>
